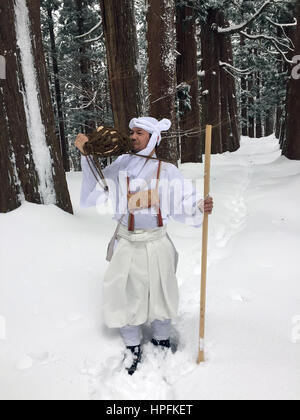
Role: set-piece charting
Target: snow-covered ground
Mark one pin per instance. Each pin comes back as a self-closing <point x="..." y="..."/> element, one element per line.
<point x="53" y="344"/>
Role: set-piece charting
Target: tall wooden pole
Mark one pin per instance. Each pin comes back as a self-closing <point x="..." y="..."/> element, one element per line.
<point x="208" y="143"/>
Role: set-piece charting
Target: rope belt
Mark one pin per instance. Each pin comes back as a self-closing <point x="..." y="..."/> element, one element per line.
<point x="140" y="235"/>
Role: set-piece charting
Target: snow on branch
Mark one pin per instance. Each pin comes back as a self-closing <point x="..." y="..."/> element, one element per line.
<point x="90" y="31"/>
<point x="268" y="38"/>
<point x="237" y="28"/>
<point x="275" y="43"/>
<point x="88" y="104"/>
<point x="288" y="39"/>
<point x="229" y="66"/>
<point x="282" y="25"/>
<point x="87" y="41"/>
<point x="238" y="80"/>
<point x="171" y="93"/>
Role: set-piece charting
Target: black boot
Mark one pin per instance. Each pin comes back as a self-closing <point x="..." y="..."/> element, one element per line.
<point x="161" y="343"/>
<point x="137" y="357"/>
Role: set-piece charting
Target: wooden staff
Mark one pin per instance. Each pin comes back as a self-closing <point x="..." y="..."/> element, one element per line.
<point x="208" y="142"/>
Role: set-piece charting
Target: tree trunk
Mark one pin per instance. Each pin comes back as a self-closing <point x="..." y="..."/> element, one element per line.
<point x="280" y="108"/>
<point x="269" y="129"/>
<point x="187" y="73"/>
<point x="219" y="103"/>
<point x="259" y="130"/>
<point x="232" y="142"/>
<point x="63" y="140"/>
<point x="211" y="82"/>
<point x="122" y="52"/>
<point x="292" y="144"/>
<point x="244" y="97"/>
<point x="251" y="115"/>
<point x="31" y="161"/>
<point x="279" y="114"/>
<point x="282" y="137"/>
<point x="85" y="69"/>
<point x="161" y="38"/>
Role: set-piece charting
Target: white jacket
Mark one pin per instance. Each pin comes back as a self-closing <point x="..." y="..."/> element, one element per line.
<point x="178" y="197"/>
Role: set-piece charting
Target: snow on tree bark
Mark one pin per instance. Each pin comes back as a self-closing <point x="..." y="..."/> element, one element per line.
<point x="35" y="126"/>
<point x="58" y="95"/>
<point x="32" y="161"/>
<point x="161" y="36"/>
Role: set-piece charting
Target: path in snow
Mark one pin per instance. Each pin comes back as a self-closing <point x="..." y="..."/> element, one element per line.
<point x="253" y="283"/>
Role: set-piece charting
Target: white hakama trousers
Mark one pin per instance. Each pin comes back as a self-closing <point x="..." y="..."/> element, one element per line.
<point x="140" y="284"/>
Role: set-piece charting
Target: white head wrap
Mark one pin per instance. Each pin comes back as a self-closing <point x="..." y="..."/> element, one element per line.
<point x="135" y="164"/>
<point x="152" y="126"/>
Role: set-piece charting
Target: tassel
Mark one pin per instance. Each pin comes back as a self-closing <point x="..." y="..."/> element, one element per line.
<point x="159" y="219"/>
<point x="131" y="216"/>
<point x="131" y="223"/>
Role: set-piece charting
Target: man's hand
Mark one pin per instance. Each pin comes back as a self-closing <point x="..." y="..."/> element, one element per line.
<point x="207" y="205"/>
<point x="80" y="142"/>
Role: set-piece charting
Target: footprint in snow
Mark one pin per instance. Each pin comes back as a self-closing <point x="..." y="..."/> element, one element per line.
<point x="154" y="379"/>
<point x="241" y="296"/>
<point x="28" y="361"/>
<point x="25" y="363"/>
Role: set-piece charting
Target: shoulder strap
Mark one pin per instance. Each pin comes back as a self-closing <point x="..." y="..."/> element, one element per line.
<point x="158" y="175"/>
<point x="151" y="155"/>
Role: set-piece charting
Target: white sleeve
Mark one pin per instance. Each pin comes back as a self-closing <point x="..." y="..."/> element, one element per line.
<point x="91" y="192"/>
<point x="184" y="199"/>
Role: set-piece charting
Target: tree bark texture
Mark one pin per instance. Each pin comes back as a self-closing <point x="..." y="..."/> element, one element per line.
<point x="122" y="52"/>
<point x="31" y="166"/>
<point x="292" y="144"/>
<point x="187" y="72"/>
<point x="161" y="37"/>
<point x="219" y="103"/>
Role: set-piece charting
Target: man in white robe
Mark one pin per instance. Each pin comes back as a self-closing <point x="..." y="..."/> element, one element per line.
<point x="140" y="284"/>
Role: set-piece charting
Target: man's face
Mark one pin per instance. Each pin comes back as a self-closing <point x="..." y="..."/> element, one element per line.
<point x="140" y="139"/>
